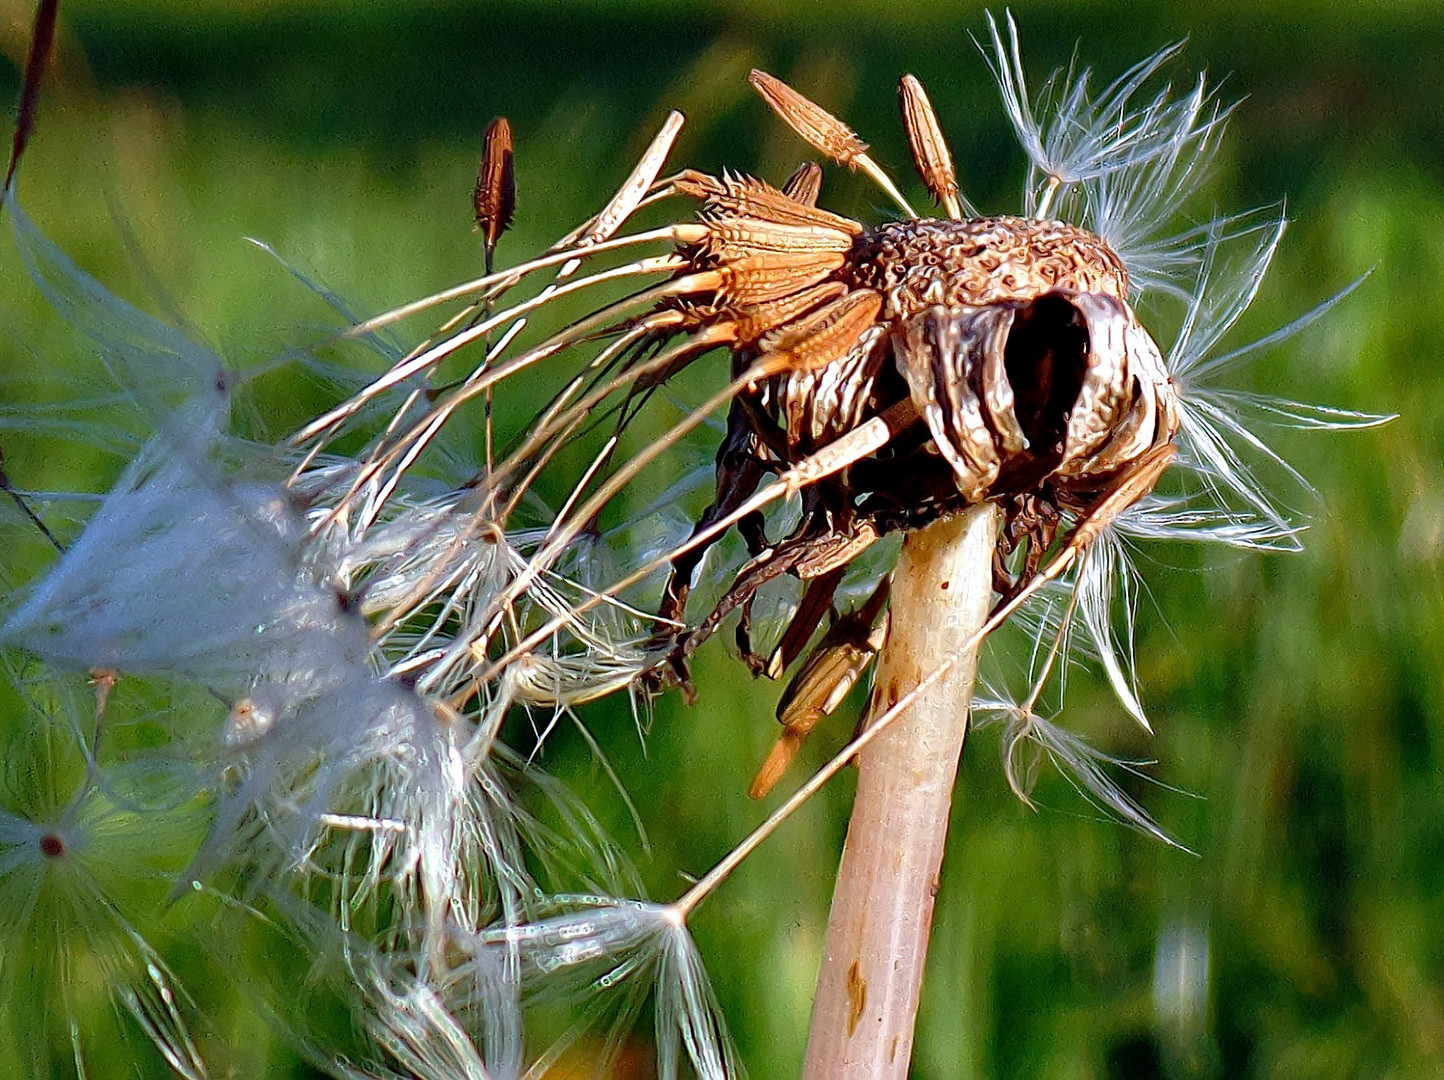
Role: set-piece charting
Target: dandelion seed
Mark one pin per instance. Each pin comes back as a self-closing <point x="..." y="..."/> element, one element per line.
<point x="67" y="850"/>
<point x="1126" y="170"/>
<point x="202" y="564"/>
<point x="1028" y="737"/>
<point x="1222" y="498"/>
<point x="929" y="148"/>
<point x="607" y="955"/>
<point x="399" y="822"/>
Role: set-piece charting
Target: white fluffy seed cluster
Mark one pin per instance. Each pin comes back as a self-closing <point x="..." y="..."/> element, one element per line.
<point x="350" y="779"/>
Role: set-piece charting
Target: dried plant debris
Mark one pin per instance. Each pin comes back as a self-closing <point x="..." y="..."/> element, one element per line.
<point x="494" y="200"/>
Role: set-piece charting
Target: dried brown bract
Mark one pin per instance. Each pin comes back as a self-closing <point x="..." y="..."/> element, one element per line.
<point x="929" y="148"/>
<point x="495" y="197"/>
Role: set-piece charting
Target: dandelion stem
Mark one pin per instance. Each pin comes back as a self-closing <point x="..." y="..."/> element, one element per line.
<point x="868" y="988"/>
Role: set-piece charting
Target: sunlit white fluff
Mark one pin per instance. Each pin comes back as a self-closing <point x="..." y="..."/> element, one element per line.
<point x="1108" y="589"/>
<point x="186" y="571"/>
<point x="153" y="370"/>
<point x="1027" y="738"/>
<point x="1221" y="485"/>
<point x="401" y="819"/>
<point x="151" y="585"/>
<point x="430" y="569"/>
<point x="605" y="956"/>
<point x="343" y="771"/>
<point x="362" y="1012"/>
<point x="1124" y="170"/>
<point x="1218" y="491"/>
<point x="1126" y="163"/>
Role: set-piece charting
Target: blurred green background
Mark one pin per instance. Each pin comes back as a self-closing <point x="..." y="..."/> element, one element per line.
<point x="1298" y="697"/>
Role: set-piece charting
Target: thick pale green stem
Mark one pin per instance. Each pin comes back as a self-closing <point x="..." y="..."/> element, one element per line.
<point x="882" y="909"/>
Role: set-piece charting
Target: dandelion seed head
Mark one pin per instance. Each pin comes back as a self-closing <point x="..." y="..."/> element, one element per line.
<point x="1126" y="162"/>
<point x="371" y="616"/>
<point x="611" y="954"/>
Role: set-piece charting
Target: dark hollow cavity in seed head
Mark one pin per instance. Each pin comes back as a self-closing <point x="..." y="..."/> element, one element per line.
<point x="1046" y="358"/>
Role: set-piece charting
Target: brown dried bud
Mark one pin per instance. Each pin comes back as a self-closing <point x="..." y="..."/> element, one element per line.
<point x="814" y="123"/>
<point x="748" y="197"/>
<point x="929" y="148"/>
<point x="827" y="334"/>
<point x="783" y="751"/>
<point x="495" y="196"/>
<point x="760" y="278"/>
<point x="805" y="185"/>
<point x="832" y="669"/>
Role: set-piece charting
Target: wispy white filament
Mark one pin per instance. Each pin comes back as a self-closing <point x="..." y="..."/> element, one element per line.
<point x="1125" y="163"/>
<point x="66" y="854"/>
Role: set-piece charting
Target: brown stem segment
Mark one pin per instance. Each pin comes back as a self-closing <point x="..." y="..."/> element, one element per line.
<point x="877" y="938"/>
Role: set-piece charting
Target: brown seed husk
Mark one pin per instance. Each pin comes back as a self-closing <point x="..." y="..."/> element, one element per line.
<point x="814" y="123"/>
<point x="495" y="197"/>
<point x="758" y="279"/>
<point x="929" y="148"/>
<point x="805" y="185"/>
<point x="734" y="237"/>
<point x="749" y="197"/>
<point x="827" y="334"/>
<point x="759" y="319"/>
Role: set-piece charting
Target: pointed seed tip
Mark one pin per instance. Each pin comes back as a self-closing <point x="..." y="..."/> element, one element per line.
<point x="810" y="121"/>
<point x="927" y="144"/>
<point x="494" y="200"/>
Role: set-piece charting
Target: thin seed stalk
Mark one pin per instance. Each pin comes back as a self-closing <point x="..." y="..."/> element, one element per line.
<point x="882" y="908"/>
